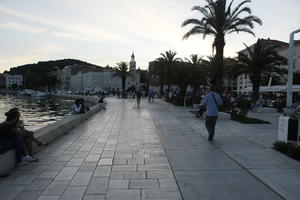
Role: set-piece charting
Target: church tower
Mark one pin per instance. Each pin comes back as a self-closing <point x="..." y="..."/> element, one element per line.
<point x="132" y="63"/>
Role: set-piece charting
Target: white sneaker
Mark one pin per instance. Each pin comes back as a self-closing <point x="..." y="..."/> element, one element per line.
<point x="28" y="158"/>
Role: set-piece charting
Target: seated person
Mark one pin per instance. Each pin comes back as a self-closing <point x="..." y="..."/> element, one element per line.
<point x="9" y="138"/>
<point x="28" y="137"/>
<point x="76" y="107"/>
<point x="84" y="107"/>
<point x="101" y="102"/>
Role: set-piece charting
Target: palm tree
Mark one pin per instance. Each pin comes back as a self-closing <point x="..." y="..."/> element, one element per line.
<point x="262" y="59"/>
<point x="200" y="74"/>
<point x="169" y="59"/>
<point x="159" y="71"/>
<point x="121" y="70"/>
<point x="218" y="20"/>
<point x="194" y="60"/>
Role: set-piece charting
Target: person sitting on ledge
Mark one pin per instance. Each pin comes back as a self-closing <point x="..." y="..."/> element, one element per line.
<point x="9" y="138"/>
<point x="84" y="108"/>
<point x="28" y="137"/>
<point x="101" y="102"/>
<point x="76" y="107"/>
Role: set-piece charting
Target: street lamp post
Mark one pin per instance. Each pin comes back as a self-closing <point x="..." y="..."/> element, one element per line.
<point x="289" y="95"/>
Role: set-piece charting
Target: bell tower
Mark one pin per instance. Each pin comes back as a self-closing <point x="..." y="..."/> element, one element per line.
<point x="132" y="63"/>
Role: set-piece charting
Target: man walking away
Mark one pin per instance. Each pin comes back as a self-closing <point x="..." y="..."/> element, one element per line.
<point x="212" y="101"/>
<point x="138" y="98"/>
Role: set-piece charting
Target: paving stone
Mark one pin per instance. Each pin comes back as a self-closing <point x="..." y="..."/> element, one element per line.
<point x="56" y="188"/>
<point x="105" y="161"/>
<point x="38" y="184"/>
<point x="48" y="174"/>
<point x="97" y="186"/>
<point x="64" y="158"/>
<point x="120" y="161"/>
<point x="153" y="167"/>
<point x="82" y="178"/>
<point x="160" y="174"/>
<point x="135" y="175"/>
<point x="117" y="175"/>
<point x="167" y="184"/>
<point x="28" y="195"/>
<point x="118" y="184"/>
<point x="102" y="171"/>
<point x="56" y="166"/>
<point x="87" y="167"/>
<point x="161" y="194"/>
<point x="132" y="161"/>
<point x="124" y="168"/>
<point x="74" y="162"/>
<point x="94" y="197"/>
<point x="157" y="161"/>
<point x="108" y="154"/>
<point x="120" y="155"/>
<point x="141" y="155"/>
<point x="123" y="194"/>
<point x="67" y="173"/>
<point x="81" y="154"/>
<point x="49" y="198"/>
<point x="92" y="158"/>
<point x="73" y="193"/>
<point x="24" y="179"/>
<point x="143" y="183"/>
<point x="11" y="191"/>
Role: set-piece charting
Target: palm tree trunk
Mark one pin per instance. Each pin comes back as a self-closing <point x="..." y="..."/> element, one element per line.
<point x="123" y="84"/>
<point x="255" y="88"/>
<point x="218" y="82"/>
<point x="161" y="88"/>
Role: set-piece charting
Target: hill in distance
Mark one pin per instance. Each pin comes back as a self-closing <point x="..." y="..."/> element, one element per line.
<point x="48" y="66"/>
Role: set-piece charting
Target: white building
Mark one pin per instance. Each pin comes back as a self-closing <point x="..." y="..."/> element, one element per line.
<point x="243" y="80"/>
<point x="13" y="80"/>
<point x="66" y="77"/>
<point x="96" y="80"/>
<point x="102" y="79"/>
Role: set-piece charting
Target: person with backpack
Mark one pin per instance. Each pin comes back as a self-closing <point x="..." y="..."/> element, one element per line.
<point x="212" y="101"/>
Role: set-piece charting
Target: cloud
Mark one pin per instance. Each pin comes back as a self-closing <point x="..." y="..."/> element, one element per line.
<point x="43" y="52"/>
<point x="22" y="27"/>
<point x="72" y="31"/>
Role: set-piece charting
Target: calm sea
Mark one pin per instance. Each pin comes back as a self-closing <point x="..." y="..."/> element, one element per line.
<point x="36" y="112"/>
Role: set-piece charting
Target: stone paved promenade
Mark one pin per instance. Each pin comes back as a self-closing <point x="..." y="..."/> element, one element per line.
<point x="156" y="152"/>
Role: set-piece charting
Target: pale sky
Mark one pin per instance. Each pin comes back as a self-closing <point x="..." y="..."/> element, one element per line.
<point x="105" y="32"/>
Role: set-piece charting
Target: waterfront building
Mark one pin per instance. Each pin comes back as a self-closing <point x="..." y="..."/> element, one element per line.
<point x="12" y="81"/>
<point x="65" y="75"/>
<point x="98" y="80"/>
<point x="2" y="80"/>
<point x="103" y="79"/>
<point x="243" y="80"/>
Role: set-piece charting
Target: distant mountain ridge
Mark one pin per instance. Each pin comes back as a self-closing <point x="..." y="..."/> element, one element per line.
<point x="47" y="66"/>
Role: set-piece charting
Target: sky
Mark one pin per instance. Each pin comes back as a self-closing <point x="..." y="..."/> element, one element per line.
<point x="106" y="32"/>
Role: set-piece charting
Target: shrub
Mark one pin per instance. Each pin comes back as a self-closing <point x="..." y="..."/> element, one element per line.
<point x="289" y="149"/>
<point x="240" y="107"/>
